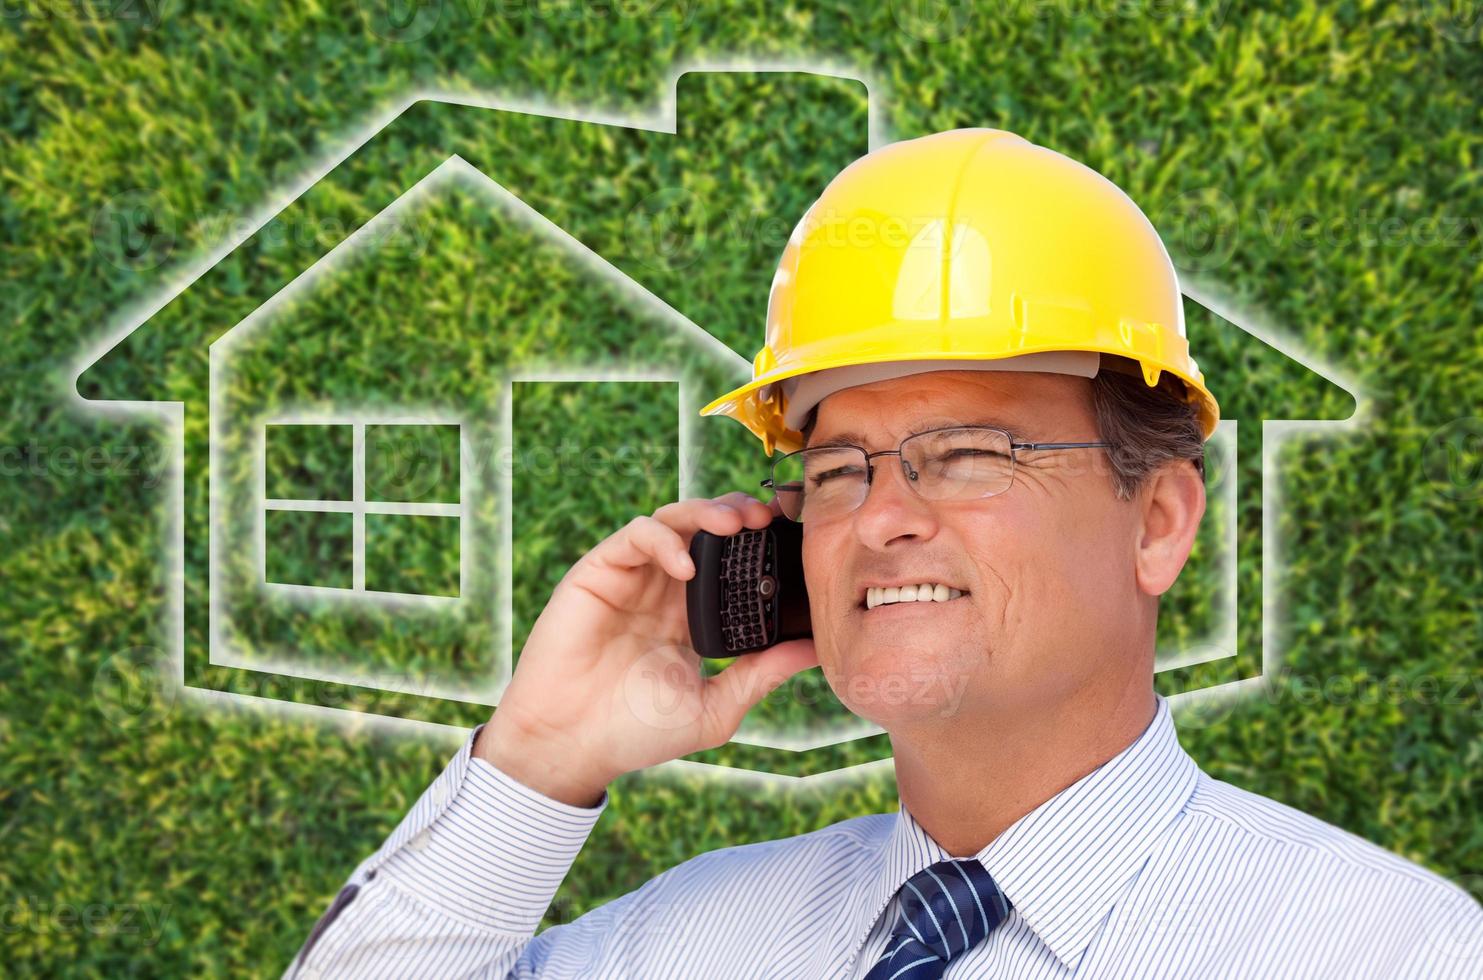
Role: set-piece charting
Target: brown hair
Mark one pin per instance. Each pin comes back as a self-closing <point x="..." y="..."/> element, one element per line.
<point x="1147" y="426"/>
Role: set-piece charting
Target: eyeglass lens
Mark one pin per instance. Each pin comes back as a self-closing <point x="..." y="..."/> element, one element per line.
<point x="947" y="464"/>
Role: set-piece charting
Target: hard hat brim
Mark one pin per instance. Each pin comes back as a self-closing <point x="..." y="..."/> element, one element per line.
<point x="765" y="417"/>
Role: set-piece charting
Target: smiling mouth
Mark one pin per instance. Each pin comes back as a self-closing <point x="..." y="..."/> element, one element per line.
<point x="865" y="604"/>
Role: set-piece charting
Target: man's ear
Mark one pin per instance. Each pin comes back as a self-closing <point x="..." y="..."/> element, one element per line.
<point x="1171" y="505"/>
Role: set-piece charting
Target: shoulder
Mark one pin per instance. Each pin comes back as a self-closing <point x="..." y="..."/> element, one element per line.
<point x="1260" y="824"/>
<point x="1305" y="869"/>
<point x="707" y="908"/>
<point x="765" y="880"/>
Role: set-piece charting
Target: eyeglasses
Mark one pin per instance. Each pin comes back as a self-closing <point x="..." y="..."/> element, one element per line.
<point x="955" y="463"/>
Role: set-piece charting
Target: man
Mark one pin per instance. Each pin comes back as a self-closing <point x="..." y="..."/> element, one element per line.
<point x="978" y="345"/>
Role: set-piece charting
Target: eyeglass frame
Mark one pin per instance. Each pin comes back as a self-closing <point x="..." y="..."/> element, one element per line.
<point x="1014" y="449"/>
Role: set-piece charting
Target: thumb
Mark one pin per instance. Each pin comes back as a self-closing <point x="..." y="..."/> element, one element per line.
<point x="736" y="690"/>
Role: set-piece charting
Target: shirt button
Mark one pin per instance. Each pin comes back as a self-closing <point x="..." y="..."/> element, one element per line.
<point x="310" y="975"/>
<point x="440" y="794"/>
<point x="419" y="842"/>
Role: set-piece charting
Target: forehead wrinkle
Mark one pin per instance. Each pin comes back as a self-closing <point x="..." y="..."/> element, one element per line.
<point x="852" y="438"/>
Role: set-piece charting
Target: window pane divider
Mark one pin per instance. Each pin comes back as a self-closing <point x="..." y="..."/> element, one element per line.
<point x="367" y="507"/>
<point x="358" y="497"/>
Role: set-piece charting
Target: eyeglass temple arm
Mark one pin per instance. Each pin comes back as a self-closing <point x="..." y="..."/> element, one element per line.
<point x="1060" y="445"/>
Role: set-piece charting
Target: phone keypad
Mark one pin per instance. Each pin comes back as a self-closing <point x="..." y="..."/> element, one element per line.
<point x="748" y="617"/>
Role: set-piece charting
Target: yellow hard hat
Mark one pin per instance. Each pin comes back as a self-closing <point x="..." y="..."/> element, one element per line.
<point x="972" y="248"/>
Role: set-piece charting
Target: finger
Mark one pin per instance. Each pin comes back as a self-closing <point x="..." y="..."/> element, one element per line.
<point x="733" y="692"/>
<point x="699" y="514"/>
<point x="755" y="513"/>
<point x="643" y="541"/>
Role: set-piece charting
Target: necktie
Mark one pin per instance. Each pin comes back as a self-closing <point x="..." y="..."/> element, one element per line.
<point x="945" y="910"/>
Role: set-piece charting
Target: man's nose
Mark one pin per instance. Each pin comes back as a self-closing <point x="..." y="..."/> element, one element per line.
<point x="892" y="508"/>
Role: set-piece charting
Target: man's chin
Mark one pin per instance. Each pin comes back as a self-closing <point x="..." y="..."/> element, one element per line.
<point x="894" y="688"/>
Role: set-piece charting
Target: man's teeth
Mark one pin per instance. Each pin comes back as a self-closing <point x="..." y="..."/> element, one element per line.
<point x="926" y="592"/>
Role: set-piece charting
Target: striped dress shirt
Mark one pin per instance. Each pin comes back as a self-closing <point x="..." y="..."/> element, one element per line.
<point x="1146" y="867"/>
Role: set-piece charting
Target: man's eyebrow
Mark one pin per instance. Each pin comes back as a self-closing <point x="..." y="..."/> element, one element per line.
<point x="856" y="439"/>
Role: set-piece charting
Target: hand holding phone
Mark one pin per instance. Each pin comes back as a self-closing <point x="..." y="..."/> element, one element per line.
<point x="609" y="680"/>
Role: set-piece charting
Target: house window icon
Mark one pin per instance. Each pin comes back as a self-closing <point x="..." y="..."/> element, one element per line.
<point x="367" y="507"/>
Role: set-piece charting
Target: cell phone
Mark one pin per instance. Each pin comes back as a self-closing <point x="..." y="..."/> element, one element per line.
<point x="748" y="591"/>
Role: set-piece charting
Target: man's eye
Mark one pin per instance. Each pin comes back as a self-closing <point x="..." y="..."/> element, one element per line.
<point x="966" y="453"/>
<point x="818" y="479"/>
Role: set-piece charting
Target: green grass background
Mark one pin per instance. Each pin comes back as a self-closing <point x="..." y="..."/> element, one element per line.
<point x="1270" y="144"/>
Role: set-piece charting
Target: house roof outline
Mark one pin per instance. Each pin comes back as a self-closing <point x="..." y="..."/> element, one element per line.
<point x="664" y="120"/>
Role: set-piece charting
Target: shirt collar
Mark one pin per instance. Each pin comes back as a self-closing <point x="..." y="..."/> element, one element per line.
<point x="1063" y="864"/>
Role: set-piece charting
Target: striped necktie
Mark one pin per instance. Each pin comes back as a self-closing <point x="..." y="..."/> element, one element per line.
<point x="945" y="910"/>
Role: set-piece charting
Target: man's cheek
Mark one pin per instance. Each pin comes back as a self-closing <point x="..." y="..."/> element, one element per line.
<point x="999" y="582"/>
